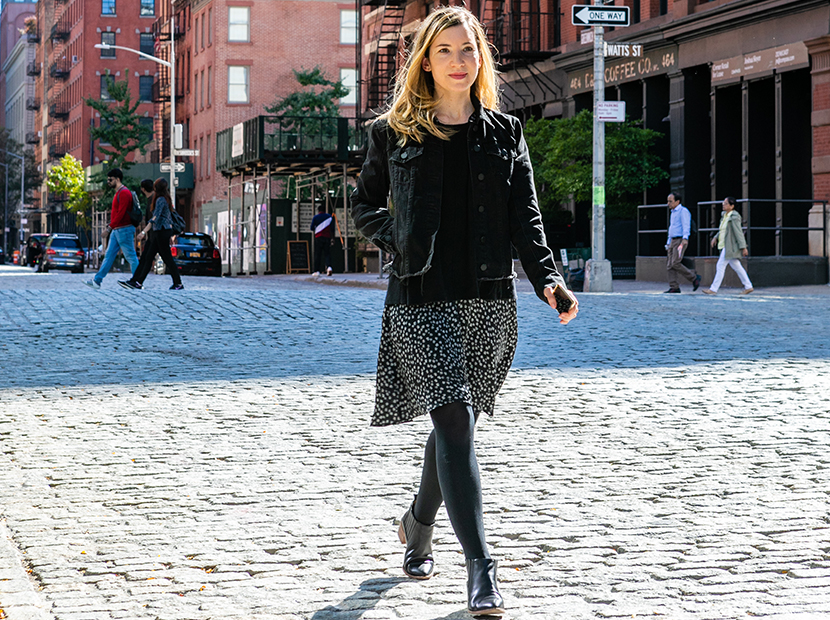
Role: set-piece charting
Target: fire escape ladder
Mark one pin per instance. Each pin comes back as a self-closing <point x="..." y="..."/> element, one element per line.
<point x="385" y="61"/>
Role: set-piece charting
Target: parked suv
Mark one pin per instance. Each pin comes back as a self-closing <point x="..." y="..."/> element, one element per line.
<point x="63" y="251"/>
<point x="193" y="253"/>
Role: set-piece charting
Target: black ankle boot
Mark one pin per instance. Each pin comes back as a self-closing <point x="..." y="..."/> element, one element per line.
<point x="483" y="598"/>
<point x="417" y="561"/>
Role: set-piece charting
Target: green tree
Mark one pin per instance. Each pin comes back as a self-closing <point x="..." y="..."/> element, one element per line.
<point x="318" y="98"/>
<point x="562" y="154"/>
<point x="119" y="134"/>
<point x="304" y="118"/>
<point x="69" y="179"/>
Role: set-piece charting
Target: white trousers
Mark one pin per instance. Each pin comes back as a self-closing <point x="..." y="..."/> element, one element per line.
<point x="735" y="263"/>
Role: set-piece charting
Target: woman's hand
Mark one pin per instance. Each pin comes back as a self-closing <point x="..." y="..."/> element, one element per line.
<point x="745" y="252"/>
<point x="714" y="241"/>
<point x="565" y="317"/>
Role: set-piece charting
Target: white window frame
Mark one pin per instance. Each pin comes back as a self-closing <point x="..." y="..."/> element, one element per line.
<point x="348" y="27"/>
<point x="348" y="77"/>
<point x="236" y="25"/>
<point x="233" y="96"/>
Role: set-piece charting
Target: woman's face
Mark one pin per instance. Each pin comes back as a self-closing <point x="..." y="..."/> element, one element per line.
<point x="727" y="207"/>
<point x="453" y="60"/>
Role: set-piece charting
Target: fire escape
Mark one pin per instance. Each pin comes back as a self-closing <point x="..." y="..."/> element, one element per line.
<point x="386" y="42"/>
<point x="161" y="87"/>
<point x="523" y="32"/>
<point x="59" y="68"/>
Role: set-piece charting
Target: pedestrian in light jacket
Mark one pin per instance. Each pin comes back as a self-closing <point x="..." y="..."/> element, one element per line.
<point x="731" y="242"/>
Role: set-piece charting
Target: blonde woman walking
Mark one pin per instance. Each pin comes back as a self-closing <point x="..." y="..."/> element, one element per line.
<point x="459" y="175"/>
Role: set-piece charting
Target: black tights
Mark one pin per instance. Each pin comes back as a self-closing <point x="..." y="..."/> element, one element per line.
<point x="450" y="475"/>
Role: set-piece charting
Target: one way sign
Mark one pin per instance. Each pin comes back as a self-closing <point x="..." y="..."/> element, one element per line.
<point x="582" y="15"/>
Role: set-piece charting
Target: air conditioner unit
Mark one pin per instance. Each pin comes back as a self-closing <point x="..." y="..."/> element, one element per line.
<point x="74" y="60"/>
<point x="39" y="134"/>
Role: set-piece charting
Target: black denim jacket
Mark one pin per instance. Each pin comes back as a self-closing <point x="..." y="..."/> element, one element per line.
<point x="502" y="190"/>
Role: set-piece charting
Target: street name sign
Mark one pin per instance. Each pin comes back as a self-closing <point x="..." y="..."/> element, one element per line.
<point x="187" y="152"/>
<point x="626" y="50"/>
<point x="586" y="15"/>
<point x="165" y="167"/>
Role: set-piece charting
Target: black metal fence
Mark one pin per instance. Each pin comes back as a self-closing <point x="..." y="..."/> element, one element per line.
<point x="289" y="139"/>
<point x="772" y="227"/>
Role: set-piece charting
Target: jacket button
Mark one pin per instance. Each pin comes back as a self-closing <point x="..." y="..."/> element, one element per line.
<point x="484" y="267"/>
<point x="404" y="155"/>
<point x="480" y="176"/>
<point x="477" y="148"/>
<point x="483" y="240"/>
<point x="481" y="208"/>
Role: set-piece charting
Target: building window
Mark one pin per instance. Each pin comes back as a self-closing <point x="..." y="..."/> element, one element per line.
<point x="148" y="44"/>
<point x="210" y="26"/>
<point x="349" y="79"/>
<point x="108" y="38"/>
<point x="210" y="86"/>
<point x="238" y="19"/>
<point x="202" y="92"/>
<point x="105" y="93"/>
<point x="203" y="31"/>
<point x="348" y="27"/>
<point x="196" y="35"/>
<point x="107" y="7"/>
<point x="237" y="84"/>
<point x="195" y="90"/>
<point x="146" y="121"/>
<point x="664" y="7"/>
<point x="145" y="88"/>
<point x="201" y="159"/>
<point x="148" y="7"/>
<point x="207" y="156"/>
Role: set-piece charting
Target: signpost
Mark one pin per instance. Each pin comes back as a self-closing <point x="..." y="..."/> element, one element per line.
<point x="598" y="268"/>
<point x="187" y="152"/>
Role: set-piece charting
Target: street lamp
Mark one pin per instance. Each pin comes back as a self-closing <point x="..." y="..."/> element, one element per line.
<point x="6" y="201"/>
<point x="171" y="64"/>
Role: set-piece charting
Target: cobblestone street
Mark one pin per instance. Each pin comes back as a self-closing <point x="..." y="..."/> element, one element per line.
<point x="205" y="454"/>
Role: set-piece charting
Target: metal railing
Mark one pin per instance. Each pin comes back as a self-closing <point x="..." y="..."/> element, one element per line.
<point x="290" y="138"/>
<point x="708" y="214"/>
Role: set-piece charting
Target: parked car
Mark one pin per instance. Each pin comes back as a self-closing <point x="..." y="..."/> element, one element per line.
<point x="193" y="253"/>
<point x="63" y="251"/>
<point x="41" y="238"/>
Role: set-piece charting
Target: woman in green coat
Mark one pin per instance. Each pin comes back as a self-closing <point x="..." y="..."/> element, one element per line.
<point x="732" y="245"/>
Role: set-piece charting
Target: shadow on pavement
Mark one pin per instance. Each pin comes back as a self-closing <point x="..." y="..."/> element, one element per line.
<point x="353" y="607"/>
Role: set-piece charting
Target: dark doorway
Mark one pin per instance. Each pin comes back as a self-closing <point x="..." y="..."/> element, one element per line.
<point x="728" y="133"/>
<point x="761" y="164"/>
<point x="698" y="149"/>
<point x="796" y="157"/>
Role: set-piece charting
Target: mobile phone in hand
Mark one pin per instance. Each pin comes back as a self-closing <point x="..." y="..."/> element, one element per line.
<point x="564" y="302"/>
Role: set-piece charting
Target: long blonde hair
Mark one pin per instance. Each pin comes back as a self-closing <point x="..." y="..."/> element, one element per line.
<point x="413" y="108"/>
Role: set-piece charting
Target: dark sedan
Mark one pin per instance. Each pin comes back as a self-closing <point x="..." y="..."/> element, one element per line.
<point x="193" y="253"/>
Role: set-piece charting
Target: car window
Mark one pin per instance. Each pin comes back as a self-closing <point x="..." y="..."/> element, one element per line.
<point x="65" y="243"/>
<point x="203" y="242"/>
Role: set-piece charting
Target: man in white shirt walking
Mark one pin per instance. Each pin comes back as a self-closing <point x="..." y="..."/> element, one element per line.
<point x="680" y="227"/>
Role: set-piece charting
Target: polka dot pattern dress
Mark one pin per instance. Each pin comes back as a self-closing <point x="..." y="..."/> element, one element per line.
<point x="444" y="352"/>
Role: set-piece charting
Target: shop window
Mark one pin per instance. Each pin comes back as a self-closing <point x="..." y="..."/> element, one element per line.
<point x="148" y="8"/>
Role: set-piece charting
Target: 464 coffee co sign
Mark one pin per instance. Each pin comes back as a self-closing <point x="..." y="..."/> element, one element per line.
<point x="626" y="69"/>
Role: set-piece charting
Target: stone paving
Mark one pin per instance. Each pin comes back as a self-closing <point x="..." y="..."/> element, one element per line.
<point x="205" y="454"/>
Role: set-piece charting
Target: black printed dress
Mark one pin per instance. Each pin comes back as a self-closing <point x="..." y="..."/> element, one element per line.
<point x="453" y="338"/>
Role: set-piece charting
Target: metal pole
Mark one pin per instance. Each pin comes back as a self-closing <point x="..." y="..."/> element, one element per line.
<point x="598" y="270"/>
<point x="172" y="114"/>
<point x="6" y="208"/>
